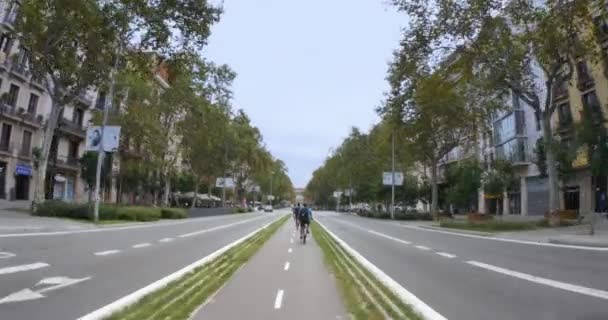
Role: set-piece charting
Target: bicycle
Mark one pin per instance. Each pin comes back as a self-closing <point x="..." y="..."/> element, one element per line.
<point x="303" y="231"/>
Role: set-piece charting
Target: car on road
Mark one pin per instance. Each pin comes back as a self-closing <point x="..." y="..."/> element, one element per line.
<point x="268" y="209"/>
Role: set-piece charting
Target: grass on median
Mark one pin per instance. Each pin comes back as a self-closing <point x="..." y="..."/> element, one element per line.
<point x="364" y="296"/>
<point x="180" y="298"/>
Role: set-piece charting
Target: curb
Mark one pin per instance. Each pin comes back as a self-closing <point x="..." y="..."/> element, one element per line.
<point x="419" y="306"/>
<point x="579" y="242"/>
<point x="477" y="233"/>
<point x="137" y="295"/>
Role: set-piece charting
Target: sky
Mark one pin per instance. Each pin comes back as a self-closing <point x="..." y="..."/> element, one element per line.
<point x="307" y="71"/>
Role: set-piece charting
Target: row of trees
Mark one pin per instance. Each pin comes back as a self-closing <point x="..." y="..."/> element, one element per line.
<point x="78" y="45"/>
<point x="460" y="62"/>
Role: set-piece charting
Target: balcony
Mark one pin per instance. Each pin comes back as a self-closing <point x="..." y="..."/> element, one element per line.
<point x="68" y="127"/>
<point x="20" y="71"/>
<point x="85" y="98"/>
<point x="20" y="115"/>
<point x="64" y="162"/>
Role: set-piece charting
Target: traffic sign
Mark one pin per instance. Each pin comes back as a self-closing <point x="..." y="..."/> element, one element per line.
<point x="387" y="178"/>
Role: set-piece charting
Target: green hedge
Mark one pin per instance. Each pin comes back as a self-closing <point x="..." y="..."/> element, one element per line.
<point x="413" y="216"/>
<point x="138" y="213"/>
<point x="54" y="208"/>
<point x="173" y="213"/>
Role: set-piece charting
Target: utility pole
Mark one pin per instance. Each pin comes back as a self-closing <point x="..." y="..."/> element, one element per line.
<point x="100" y="151"/>
<point x="393" y="176"/>
<point x="271" y="196"/>
<point x="224" y="182"/>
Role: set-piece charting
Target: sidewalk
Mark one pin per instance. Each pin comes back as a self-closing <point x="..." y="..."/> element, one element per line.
<point x="284" y="280"/>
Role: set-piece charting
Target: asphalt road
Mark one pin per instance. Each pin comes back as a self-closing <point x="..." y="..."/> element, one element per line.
<point x="467" y="277"/>
<point x="67" y="274"/>
<point x="284" y="280"/>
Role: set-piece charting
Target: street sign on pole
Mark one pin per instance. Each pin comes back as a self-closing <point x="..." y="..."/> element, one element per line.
<point x="337" y="194"/>
<point x="224" y="183"/>
<point x="387" y="178"/>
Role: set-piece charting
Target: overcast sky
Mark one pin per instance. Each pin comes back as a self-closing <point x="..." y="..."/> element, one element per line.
<point x="307" y="70"/>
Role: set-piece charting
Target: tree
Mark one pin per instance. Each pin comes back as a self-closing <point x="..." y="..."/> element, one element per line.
<point x="463" y="180"/>
<point x="433" y="120"/>
<point x="72" y="44"/>
<point x="529" y="48"/>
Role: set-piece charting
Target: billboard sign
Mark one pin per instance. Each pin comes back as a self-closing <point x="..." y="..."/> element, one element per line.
<point x="387" y="178"/>
<point x="111" y="138"/>
<point x="224" y="182"/>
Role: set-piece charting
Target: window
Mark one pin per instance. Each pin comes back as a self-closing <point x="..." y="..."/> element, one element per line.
<point x="5" y="43"/>
<point x="78" y="116"/>
<point x="13" y="95"/>
<point x="582" y="71"/>
<point x="13" y="12"/>
<point x="73" y="150"/>
<point x="5" y="139"/>
<point x="591" y="103"/>
<point x="32" y="104"/>
<point x="537" y="118"/>
<point x="101" y="100"/>
<point x="26" y="143"/>
<point x="504" y="129"/>
<point x="564" y="114"/>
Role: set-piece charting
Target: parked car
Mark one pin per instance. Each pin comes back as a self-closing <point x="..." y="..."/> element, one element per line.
<point x="268" y="208"/>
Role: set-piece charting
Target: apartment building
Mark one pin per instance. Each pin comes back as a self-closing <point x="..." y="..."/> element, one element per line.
<point x="24" y="110"/>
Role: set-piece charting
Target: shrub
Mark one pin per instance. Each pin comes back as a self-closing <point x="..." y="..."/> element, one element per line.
<point x="239" y="210"/>
<point x="138" y="213"/>
<point x="381" y="215"/>
<point x="173" y="213"/>
<point x="413" y="216"/>
<point x="108" y="212"/>
<point x="54" y="208"/>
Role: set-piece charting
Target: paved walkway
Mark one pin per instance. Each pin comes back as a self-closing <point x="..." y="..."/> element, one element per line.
<point x="284" y="280"/>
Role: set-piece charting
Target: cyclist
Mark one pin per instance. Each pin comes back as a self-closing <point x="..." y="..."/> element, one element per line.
<point x="296" y="215"/>
<point x="305" y="217"/>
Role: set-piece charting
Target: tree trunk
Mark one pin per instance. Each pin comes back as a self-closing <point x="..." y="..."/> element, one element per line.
<point x="167" y="190"/>
<point x="49" y="132"/>
<point x="554" y="203"/>
<point x="434" y="189"/>
<point x="193" y="204"/>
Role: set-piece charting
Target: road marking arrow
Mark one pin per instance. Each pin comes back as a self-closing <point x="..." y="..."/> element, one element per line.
<point x="53" y="283"/>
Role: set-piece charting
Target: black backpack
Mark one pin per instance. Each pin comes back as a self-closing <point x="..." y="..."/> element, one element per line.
<point x="303" y="214"/>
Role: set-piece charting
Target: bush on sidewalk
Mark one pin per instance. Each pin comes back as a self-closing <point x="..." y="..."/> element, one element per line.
<point x="54" y="208"/>
<point x="173" y="213"/>
<point x="138" y="213"/>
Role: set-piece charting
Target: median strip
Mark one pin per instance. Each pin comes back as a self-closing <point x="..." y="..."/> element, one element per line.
<point x="178" y="295"/>
<point x="364" y="295"/>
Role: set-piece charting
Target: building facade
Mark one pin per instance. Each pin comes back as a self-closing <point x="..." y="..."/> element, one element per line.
<point x="24" y="110"/>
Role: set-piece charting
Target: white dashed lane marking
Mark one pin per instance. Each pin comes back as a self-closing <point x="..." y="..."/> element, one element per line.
<point x="107" y="252"/>
<point x="166" y="240"/>
<point x="24" y="267"/>
<point x="279" y="299"/>
<point x="445" y="254"/>
<point x="140" y="245"/>
<point x="548" y="282"/>
<point x="286" y="266"/>
<point x="4" y="255"/>
<point x="289" y="250"/>
<point x="423" y="248"/>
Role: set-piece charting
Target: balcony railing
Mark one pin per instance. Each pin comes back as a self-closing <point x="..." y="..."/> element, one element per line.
<point x="65" y="162"/>
<point x="72" y="128"/>
<point x="20" y="114"/>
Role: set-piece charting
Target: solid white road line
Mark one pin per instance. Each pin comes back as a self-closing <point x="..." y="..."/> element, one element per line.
<point x="106" y="229"/>
<point x="542" y="244"/>
<point x="388" y="237"/>
<point x="107" y="252"/>
<point x="289" y="250"/>
<point x="166" y="240"/>
<point x="195" y="233"/>
<point x="140" y="245"/>
<point x="4" y="255"/>
<point x="24" y="267"/>
<point x="278" y="300"/>
<point x="286" y="266"/>
<point x="548" y="282"/>
<point x="135" y="296"/>
<point x="445" y="254"/>
<point x="425" y="310"/>
<point x="423" y="248"/>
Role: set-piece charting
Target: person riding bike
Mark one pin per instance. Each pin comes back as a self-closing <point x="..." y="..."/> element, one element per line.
<point x="296" y="215"/>
<point x="305" y="216"/>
